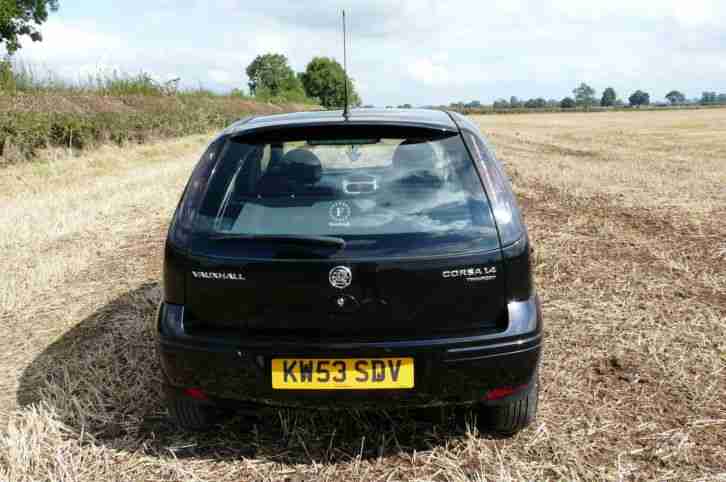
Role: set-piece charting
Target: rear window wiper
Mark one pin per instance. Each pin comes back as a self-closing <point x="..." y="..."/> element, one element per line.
<point x="330" y="241"/>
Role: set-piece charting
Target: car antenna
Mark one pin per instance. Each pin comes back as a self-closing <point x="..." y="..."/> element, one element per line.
<point x="346" y="113"/>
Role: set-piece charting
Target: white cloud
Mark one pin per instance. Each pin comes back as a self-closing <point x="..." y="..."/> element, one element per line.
<point x="71" y="40"/>
<point x="222" y="77"/>
<point x="428" y="72"/>
<point x="691" y="13"/>
<point x="417" y="51"/>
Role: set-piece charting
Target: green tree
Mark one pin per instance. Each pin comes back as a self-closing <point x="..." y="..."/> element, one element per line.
<point x="291" y="90"/>
<point x="709" y="98"/>
<point x="675" y="97"/>
<point x="568" y="103"/>
<point x="514" y="102"/>
<point x="501" y="104"/>
<point x="537" y="103"/>
<point x="584" y="95"/>
<point x="7" y="79"/>
<point x="324" y="79"/>
<point x="609" y="97"/>
<point x="639" y="98"/>
<point x="23" y="17"/>
<point x="271" y="76"/>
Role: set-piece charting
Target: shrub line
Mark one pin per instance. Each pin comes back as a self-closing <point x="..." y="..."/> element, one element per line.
<point x="26" y="130"/>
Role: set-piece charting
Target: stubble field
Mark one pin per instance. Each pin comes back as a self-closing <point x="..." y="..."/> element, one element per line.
<point x="626" y="212"/>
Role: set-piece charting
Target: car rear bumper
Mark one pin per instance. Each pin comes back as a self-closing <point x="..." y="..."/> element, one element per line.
<point x="455" y="370"/>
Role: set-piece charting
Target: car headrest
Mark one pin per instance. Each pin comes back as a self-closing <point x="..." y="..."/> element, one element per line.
<point x="414" y="155"/>
<point x="301" y="166"/>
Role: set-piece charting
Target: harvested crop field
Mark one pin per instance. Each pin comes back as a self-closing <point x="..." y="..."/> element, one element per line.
<point x="626" y="211"/>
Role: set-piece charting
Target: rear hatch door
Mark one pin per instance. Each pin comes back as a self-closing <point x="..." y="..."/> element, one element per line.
<point x="336" y="299"/>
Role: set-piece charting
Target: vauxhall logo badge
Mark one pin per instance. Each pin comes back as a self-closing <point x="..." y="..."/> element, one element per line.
<point x="340" y="277"/>
<point x="218" y="276"/>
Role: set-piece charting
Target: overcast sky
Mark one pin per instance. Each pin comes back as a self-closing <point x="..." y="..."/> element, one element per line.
<point x="418" y="52"/>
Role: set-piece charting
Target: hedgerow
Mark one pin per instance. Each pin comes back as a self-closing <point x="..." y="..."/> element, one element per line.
<point x="32" y="123"/>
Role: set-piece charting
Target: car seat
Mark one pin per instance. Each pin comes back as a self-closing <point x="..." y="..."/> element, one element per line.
<point x="297" y="172"/>
<point x="416" y="163"/>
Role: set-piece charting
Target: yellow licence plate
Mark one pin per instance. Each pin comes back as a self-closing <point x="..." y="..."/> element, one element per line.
<point x="341" y="373"/>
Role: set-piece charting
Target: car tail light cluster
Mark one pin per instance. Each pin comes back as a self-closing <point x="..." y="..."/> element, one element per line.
<point x="501" y="392"/>
<point x="504" y="205"/>
<point x="196" y="394"/>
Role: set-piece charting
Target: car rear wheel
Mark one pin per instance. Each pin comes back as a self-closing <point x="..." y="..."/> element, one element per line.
<point x="191" y="414"/>
<point x="511" y="417"/>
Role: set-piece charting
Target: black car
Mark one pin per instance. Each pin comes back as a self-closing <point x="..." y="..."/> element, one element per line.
<point x="376" y="259"/>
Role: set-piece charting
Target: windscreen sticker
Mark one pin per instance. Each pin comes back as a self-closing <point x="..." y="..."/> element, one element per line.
<point x="339" y="214"/>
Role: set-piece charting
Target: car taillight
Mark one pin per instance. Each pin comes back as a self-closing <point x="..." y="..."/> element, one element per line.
<point x="501" y="392"/>
<point x="503" y="204"/>
<point x="196" y="393"/>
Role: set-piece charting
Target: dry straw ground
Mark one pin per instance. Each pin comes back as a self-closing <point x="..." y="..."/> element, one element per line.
<point x="626" y="211"/>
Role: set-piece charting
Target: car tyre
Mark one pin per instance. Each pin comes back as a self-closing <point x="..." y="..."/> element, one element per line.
<point x="511" y="417"/>
<point x="191" y="415"/>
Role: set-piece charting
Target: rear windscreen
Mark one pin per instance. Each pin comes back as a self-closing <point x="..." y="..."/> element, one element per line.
<point x="372" y="187"/>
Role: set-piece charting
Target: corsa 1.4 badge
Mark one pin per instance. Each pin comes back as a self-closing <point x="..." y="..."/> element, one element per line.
<point x="472" y="274"/>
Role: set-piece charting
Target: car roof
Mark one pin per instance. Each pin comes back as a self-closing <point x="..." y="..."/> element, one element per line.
<point x="407" y="117"/>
